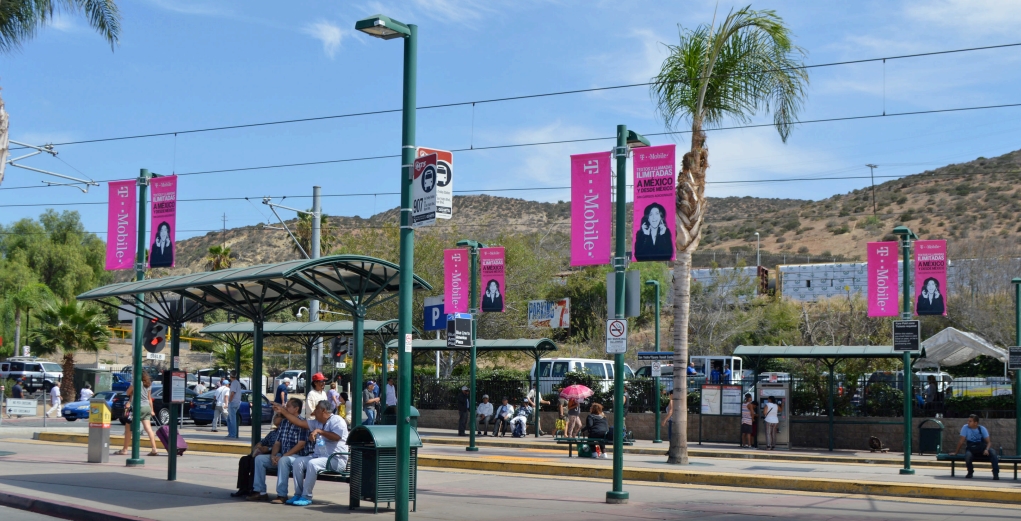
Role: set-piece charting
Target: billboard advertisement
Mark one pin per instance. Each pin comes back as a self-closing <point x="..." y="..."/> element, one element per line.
<point x="121" y="225"/>
<point x="654" y="199"/>
<point x="555" y="314"/>
<point x="931" y="278"/>
<point x="456" y="281"/>
<point x="591" y="210"/>
<point x="492" y="279"/>
<point x="883" y="279"/>
<point x="164" y="221"/>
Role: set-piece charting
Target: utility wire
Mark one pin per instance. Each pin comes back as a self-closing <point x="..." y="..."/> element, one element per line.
<point x="516" y="98"/>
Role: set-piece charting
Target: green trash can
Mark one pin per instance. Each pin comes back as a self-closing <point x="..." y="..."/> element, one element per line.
<point x="374" y="465"/>
<point x="389" y="417"/>
<point x="930" y="439"/>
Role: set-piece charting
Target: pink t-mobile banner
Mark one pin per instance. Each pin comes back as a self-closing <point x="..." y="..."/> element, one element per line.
<point x="164" y="221"/>
<point x="655" y="198"/>
<point x="931" y="277"/>
<point x="121" y="226"/>
<point x="455" y="281"/>
<point x="883" y="279"/>
<point x="590" y="209"/>
<point x="492" y="279"/>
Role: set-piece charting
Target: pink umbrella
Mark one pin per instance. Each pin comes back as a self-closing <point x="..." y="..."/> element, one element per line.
<point x="576" y="392"/>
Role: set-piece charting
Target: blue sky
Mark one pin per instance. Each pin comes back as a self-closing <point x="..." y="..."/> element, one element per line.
<point x="192" y="64"/>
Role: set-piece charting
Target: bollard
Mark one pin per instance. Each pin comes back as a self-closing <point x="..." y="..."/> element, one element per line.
<point x="99" y="431"/>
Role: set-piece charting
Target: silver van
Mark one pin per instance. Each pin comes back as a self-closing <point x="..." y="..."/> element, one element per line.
<point x="552" y="371"/>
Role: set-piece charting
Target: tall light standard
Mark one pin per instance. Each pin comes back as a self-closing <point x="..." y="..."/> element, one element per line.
<point x="758" y="261"/>
<point x="387" y="28"/>
<point x="872" y="174"/>
<point x="906" y="236"/>
<point x="1017" y="373"/>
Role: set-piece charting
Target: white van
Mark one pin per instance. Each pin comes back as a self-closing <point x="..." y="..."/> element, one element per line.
<point x="552" y="371"/>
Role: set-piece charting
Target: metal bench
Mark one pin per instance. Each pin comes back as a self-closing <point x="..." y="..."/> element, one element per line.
<point x="954" y="458"/>
<point x="342" y="476"/>
<point x="571" y="442"/>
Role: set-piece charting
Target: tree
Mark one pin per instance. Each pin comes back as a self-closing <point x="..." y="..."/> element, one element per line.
<point x="20" y="19"/>
<point x="224" y="355"/>
<point x="68" y="328"/>
<point x="303" y="231"/>
<point x="745" y="64"/>
<point x="219" y="258"/>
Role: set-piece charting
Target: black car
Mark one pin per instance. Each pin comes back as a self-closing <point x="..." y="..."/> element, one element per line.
<point x="161" y="411"/>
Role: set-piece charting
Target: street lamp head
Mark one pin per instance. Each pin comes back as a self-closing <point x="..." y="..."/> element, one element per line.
<point x="382" y="27"/>
<point x="636" y="140"/>
<point x="905" y="233"/>
<point x="1015" y="281"/>
<point x="756" y="234"/>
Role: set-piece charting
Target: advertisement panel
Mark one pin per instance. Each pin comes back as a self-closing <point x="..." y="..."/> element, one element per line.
<point x="492" y="280"/>
<point x="931" y="274"/>
<point x="654" y="220"/>
<point x="423" y="191"/>
<point x="554" y="314"/>
<point x="444" y="180"/>
<point x="164" y="221"/>
<point x="121" y="225"/>
<point x="883" y="279"/>
<point x="591" y="211"/>
<point x="456" y="283"/>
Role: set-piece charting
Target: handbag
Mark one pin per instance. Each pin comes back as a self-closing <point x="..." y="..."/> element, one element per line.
<point x="560" y="425"/>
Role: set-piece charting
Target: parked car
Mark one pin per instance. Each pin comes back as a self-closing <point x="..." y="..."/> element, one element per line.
<point x="120" y="381"/>
<point x="38" y="373"/>
<point x="552" y="371"/>
<point x="666" y="378"/>
<point x="80" y="410"/>
<point x="161" y="410"/>
<point x="297" y="377"/>
<point x="203" y="408"/>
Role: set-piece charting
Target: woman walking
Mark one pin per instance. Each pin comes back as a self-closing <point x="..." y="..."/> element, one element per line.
<point x="573" y="418"/>
<point x="144" y="413"/>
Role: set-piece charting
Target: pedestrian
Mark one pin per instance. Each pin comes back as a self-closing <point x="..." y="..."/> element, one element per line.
<point x="86" y="393"/>
<point x="342" y="408"/>
<point x="979" y="445"/>
<point x="233" y="405"/>
<point x="727" y="374"/>
<point x="333" y="396"/>
<point x="391" y="393"/>
<point x="17" y="392"/>
<point x="747" y="420"/>
<point x="463" y="410"/>
<point x="667" y="420"/>
<point x="769" y="413"/>
<point x="535" y="400"/>
<point x="573" y="418"/>
<point x="691" y="369"/>
<point x="316" y="395"/>
<point x="54" y="400"/>
<point x="597" y="428"/>
<point x="246" y="465"/>
<point x="200" y="388"/>
<point x="222" y="399"/>
<point x="144" y="414"/>
<point x="484" y="414"/>
<point x="291" y="444"/>
<point x="369" y="402"/>
<point x="503" y="417"/>
<point x="280" y="396"/>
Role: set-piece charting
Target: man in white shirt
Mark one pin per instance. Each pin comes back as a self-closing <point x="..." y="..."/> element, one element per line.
<point x="222" y="398"/>
<point x="54" y="400"/>
<point x="86" y="393"/>
<point x="536" y="401"/>
<point x="316" y="395"/>
<point x="484" y="413"/>
<point x="234" y="405"/>
<point x="328" y="433"/>
<point x="199" y="388"/>
<point x="391" y="392"/>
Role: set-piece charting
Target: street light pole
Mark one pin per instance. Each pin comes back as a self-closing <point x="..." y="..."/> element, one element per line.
<point x="872" y="173"/>
<point x="136" y="364"/>
<point x="1017" y="372"/>
<point x="758" y="261"/>
<point x="313" y="304"/>
<point x="617" y="495"/>
<point x="905" y="247"/>
<point x="655" y="382"/>
<point x="473" y="250"/>
<point x="386" y="28"/>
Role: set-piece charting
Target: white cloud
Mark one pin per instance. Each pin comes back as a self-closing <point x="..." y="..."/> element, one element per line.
<point x="330" y="34"/>
<point x="978" y="17"/>
<point x="64" y="23"/>
<point x="192" y="7"/>
<point x="456" y="11"/>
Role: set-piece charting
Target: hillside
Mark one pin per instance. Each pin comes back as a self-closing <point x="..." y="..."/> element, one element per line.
<point x="968" y="200"/>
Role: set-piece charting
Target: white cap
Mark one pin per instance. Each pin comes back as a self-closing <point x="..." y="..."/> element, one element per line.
<point x="287" y="380"/>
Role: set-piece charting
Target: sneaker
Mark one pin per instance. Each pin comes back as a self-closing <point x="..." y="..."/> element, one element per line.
<point x="278" y="501"/>
<point x="302" y="502"/>
<point x="256" y="496"/>
<point x="292" y="500"/>
<point x="970" y="475"/>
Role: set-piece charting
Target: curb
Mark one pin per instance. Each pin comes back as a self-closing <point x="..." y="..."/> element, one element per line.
<point x="62" y="510"/>
<point x="823" y="485"/>
<point x="221" y="447"/>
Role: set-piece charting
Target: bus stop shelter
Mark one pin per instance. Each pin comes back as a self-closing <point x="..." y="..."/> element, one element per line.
<point x="353" y="283"/>
<point x="535" y="347"/>
<point x="830" y="355"/>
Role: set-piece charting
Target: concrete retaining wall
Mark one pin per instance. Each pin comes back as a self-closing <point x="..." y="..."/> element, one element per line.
<point x="849" y="433"/>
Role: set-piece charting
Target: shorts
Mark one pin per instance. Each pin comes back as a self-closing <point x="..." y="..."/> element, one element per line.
<point x="746" y="428"/>
<point x="144" y="414"/>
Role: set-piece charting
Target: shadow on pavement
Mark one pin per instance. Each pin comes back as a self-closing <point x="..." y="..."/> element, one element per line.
<point x="121" y="490"/>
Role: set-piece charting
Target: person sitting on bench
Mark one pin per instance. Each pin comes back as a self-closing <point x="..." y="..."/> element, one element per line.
<point x="597" y="428"/>
<point x="521" y="417"/>
<point x="483" y="415"/>
<point x="503" y="417"/>
<point x="328" y="435"/>
<point x="978" y="445"/>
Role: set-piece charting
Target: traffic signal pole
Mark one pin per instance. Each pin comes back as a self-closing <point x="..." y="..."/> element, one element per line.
<point x="136" y="351"/>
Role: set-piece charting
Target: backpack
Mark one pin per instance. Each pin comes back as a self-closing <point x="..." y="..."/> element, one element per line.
<point x="519" y="430"/>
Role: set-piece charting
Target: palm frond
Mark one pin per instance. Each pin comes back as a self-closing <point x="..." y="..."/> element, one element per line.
<point x="103" y="15"/>
<point x="20" y="19"/>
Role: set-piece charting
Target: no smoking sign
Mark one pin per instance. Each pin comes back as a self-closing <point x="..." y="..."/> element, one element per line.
<point x="616" y="336"/>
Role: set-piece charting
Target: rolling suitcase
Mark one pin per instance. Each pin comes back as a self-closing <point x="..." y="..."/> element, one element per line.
<point x="163" y="433"/>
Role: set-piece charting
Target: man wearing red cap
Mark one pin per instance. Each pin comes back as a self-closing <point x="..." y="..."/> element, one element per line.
<point x="316" y="395"/>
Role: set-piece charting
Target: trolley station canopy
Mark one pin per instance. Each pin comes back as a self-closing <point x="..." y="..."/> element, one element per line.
<point x="952" y="347"/>
<point x="829" y="352"/>
<point x="341" y="327"/>
<point x="535" y="346"/>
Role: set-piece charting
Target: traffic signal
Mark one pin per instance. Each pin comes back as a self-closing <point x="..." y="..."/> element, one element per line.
<point x="338" y="348"/>
<point x="155" y="336"/>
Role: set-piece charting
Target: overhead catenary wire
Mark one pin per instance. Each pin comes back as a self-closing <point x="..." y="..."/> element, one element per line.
<point x="518" y="97"/>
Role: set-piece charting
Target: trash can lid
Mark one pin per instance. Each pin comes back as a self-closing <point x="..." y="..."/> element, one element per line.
<point x="379" y="436"/>
<point x="937" y="422"/>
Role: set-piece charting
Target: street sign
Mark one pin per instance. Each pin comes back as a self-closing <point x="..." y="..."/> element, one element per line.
<point x="907" y="335"/>
<point x="657" y="368"/>
<point x="423" y="202"/>
<point x="665" y="356"/>
<point x="444" y="181"/>
<point x="17" y="407"/>
<point x="435" y="319"/>
<point x="155" y="356"/>
<point x="1014" y="358"/>
<point x="459" y="330"/>
<point x="616" y="336"/>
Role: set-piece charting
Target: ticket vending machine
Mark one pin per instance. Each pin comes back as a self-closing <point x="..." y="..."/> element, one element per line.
<point x="99" y="431"/>
<point x="781" y="392"/>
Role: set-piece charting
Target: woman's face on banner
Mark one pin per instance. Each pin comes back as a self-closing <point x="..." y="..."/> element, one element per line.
<point x="164" y="232"/>
<point x="930" y="286"/>
<point x="493" y="287"/>
<point x="655" y="219"/>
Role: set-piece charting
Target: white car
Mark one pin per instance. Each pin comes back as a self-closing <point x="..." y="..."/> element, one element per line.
<point x="552" y="371"/>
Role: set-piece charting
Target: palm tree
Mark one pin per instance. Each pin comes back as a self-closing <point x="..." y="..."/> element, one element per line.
<point x="219" y="258"/>
<point x="20" y="19"/>
<point x="303" y="231"/>
<point x="68" y="328"/>
<point x="747" y="63"/>
<point x="224" y="355"/>
<point x="28" y="296"/>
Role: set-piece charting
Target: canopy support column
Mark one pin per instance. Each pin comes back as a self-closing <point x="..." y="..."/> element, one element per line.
<point x="175" y="351"/>
<point x="383" y="377"/>
<point x="358" y="360"/>
<point x="237" y="360"/>
<point x="257" y="389"/>
<point x="538" y="401"/>
<point x="309" y="347"/>
<point x="829" y="406"/>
